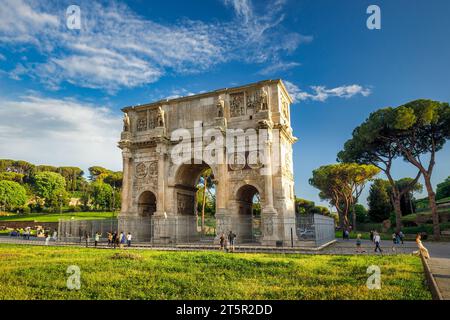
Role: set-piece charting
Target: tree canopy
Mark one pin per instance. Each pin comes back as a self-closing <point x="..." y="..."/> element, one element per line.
<point x="342" y="184"/>
<point x="443" y="189"/>
<point x="12" y="195"/>
<point x="51" y="187"/>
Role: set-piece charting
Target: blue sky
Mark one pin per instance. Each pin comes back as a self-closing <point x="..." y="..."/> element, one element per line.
<point x="61" y="90"/>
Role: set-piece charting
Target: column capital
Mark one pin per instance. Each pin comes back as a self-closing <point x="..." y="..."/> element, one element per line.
<point x="126" y="154"/>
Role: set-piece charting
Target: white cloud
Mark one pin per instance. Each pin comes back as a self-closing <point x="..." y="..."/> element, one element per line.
<point x="278" y="67"/>
<point x="41" y="130"/>
<point x="117" y="48"/>
<point x="322" y="93"/>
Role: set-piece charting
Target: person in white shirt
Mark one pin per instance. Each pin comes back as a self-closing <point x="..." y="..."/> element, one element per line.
<point x="129" y="239"/>
<point x="377" y="240"/>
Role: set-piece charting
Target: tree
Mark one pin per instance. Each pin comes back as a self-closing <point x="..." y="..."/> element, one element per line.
<point x="379" y="200"/>
<point x="114" y="179"/>
<point x="422" y="127"/>
<point x="17" y="166"/>
<point x="342" y="184"/>
<point x="102" y="195"/>
<point x="361" y="213"/>
<point x="373" y="143"/>
<point x="407" y="200"/>
<point x="50" y="186"/>
<point x="12" y="195"/>
<point x="73" y="176"/>
<point x="204" y="187"/>
<point x="443" y="189"/>
<point x="303" y="206"/>
<point x="12" y="176"/>
<point x="46" y="168"/>
<point x="98" y="173"/>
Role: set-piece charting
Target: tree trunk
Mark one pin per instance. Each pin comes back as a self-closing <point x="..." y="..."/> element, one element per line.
<point x="203" y="204"/>
<point x="398" y="213"/>
<point x="341" y="220"/>
<point x="433" y="207"/>
<point x="346" y="224"/>
<point x="354" y="217"/>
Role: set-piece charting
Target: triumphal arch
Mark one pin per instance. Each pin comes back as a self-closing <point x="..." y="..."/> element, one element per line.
<point x="243" y="134"/>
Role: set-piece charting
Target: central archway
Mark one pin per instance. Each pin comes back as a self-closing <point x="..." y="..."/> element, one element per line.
<point x="195" y="202"/>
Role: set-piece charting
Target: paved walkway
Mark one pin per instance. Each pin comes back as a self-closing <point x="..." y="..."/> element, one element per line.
<point x="440" y="269"/>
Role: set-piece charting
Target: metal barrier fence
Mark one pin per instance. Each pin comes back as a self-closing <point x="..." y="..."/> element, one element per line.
<point x="315" y="229"/>
<point x="76" y="230"/>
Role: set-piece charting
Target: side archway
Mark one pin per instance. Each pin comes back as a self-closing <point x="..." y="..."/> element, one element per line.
<point x="146" y="204"/>
<point x="249" y="213"/>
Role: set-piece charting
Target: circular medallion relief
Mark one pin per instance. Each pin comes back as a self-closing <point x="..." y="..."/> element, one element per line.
<point x="254" y="160"/>
<point x="141" y="170"/>
<point x="236" y="161"/>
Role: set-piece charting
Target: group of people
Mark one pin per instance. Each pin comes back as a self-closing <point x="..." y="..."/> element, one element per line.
<point x="114" y="239"/>
<point x="41" y="233"/>
<point x="397" y="237"/>
<point x="227" y="242"/>
<point x="374" y="237"/>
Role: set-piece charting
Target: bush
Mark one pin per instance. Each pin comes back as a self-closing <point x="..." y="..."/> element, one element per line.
<point x="75" y="209"/>
<point x="26" y="210"/>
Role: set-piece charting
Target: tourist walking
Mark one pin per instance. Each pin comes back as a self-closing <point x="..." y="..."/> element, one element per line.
<point x="231" y="240"/>
<point x="27" y="233"/>
<point x="96" y="238"/>
<point x="129" y="239"/>
<point x="114" y="239"/>
<point x="347" y="234"/>
<point x="401" y="236"/>
<point x="358" y="244"/>
<point x="121" y="239"/>
<point x="222" y="241"/>
<point x="86" y="238"/>
<point x="377" y="240"/>
<point x="47" y="238"/>
<point x="110" y="236"/>
<point x="394" y="241"/>
<point x="55" y="235"/>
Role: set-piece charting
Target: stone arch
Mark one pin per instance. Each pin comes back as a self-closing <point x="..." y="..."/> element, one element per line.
<point x="177" y="171"/>
<point x="248" y="226"/>
<point x="242" y="184"/>
<point x="146" y="203"/>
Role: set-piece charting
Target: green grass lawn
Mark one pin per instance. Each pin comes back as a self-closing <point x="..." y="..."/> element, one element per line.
<point x="31" y="272"/>
<point x="54" y="217"/>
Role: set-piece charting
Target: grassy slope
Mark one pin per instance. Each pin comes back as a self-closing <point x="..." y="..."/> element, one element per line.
<point x="54" y="217"/>
<point x="40" y="273"/>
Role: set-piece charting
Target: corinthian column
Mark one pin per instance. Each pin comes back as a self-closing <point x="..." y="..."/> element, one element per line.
<point x="160" y="201"/>
<point x="268" y="184"/>
<point x="126" y="199"/>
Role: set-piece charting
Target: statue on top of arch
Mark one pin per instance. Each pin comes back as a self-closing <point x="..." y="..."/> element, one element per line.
<point x="160" y="118"/>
